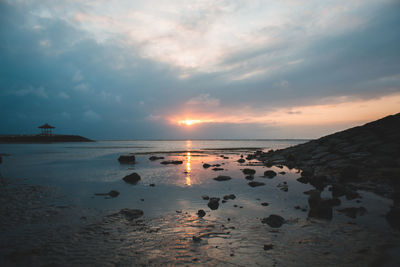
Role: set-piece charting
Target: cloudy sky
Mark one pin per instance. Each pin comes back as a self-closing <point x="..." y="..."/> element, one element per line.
<point x="197" y="69"/>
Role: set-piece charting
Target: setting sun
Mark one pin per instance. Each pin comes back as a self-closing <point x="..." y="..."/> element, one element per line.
<point x="188" y="122"/>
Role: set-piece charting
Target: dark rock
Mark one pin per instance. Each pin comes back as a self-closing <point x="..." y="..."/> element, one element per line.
<point x="231" y="196"/>
<point x="205" y="197"/>
<point x="297" y="207"/>
<point x="270" y="174"/>
<point x="113" y="193"/>
<point x="319" y="208"/>
<point x="249" y="171"/>
<point x="254" y="184"/>
<point x="303" y="180"/>
<point x="175" y="162"/>
<point x="216" y="165"/>
<point x="152" y="185"/>
<point x="226" y="157"/>
<point x="201" y="213"/>
<point x="241" y="160"/>
<point x="249" y="177"/>
<point x="206" y="165"/>
<point x="222" y="178"/>
<point x="264" y="204"/>
<point x="349" y="173"/>
<point x="275" y="221"/>
<point x="224" y="201"/>
<point x="153" y="158"/>
<point x="127" y="159"/>
<point x="131" y="214"/>
<point x="353" y="212"/>
<point x="213" y="203"/>
<point x="250" y="157"/>
<point x="393" y="217"/>
<point x="196" y="239"/>
<point x="268" y="247"/>
<point x="132" y="178"/>
<point x="282" y="173"/>
<point x="217" y="169"/>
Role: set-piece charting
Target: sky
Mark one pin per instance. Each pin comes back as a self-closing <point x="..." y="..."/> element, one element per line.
<point x="205" y="69"/>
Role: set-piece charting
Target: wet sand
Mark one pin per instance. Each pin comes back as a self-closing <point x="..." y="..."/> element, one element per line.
<point x="40" y="226"/>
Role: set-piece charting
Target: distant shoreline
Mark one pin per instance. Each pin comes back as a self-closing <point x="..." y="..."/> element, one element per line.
<point x="41" y="139"/>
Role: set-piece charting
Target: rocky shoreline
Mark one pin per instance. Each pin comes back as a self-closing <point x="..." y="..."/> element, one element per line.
<point x="365" y="157"/>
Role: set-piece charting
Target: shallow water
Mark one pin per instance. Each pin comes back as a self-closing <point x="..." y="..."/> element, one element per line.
<point x="170" y="221"/>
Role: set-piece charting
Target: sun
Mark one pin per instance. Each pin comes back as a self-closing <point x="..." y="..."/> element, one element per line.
<point x="188" y="122"/>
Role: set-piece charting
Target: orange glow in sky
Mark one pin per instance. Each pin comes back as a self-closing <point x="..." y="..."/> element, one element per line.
<point x="188" y="122"/>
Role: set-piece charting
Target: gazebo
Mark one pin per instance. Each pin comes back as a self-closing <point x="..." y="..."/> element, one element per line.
<point x="46" y="129"/>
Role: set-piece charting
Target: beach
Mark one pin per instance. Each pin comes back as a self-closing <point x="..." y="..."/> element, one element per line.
<point x="56" y="208"/>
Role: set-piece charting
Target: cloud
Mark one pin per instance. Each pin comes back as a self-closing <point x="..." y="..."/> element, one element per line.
<point x="203" y="100"/>
<point x="82" y="87"/>
<point x="63" y="95"/>
<point x="39" y="92"/>
<point x="92" y="116"/>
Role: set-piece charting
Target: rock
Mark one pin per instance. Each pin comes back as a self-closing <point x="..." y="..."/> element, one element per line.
<point x="152" y="185"/>
<point x="241" y="160"/>
<point x="226" y="157"/>
<point x="224" y="201"/>
<point x="213" y="203"/>
<point x="393" y="217"/>
<point x="205" y="197"/>
<point x="153" y="158"/>
<point x="175" y="162"/>
<point x="249" y="171"/>
<point x="201" y="213"/>
<point x="303" y="180"/>
<point x="249" y="177"/>
<point x="282" y="173"/>
<point x="231" y="196"/>
<point x="206" y="165"/>
<point x="264" y="204"/>
<point x="348" y="174"/>
<point x="127" y="158"/>
<point x="216" y="165"/>
<point x="222" y="178"/>
<point x="113" y="193"/>
<point x="217" y="169"/>
<point x="273" y="220"/>
<point x="196" y="239"/>
<point x="254" y="184"/>
<point x="269" y="174"/>
<point x="283" y="187"/>
<point x="131" y="214"/>
<point x="320" y="208"/>
<point x="268" y="247"/>
<point x="353" y="212"/>
<point x="132" y="178"/>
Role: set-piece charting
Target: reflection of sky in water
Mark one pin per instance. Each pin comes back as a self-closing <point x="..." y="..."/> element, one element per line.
<point x="80" y="172"/>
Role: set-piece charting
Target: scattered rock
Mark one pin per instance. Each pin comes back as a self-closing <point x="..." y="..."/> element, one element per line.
<point x="201" y="213"/>
<point x="217" y="169"/>
<point x="222" y="178"/>
<point x="152" y="185"/>
<point x="131" y="214"/>
<point x="153" y="158"/>
<point x="282" y="173"/>
<point x="175" y="162"/>
<point x="320" y="208"/>
<point x="241" y="160"/>
<point x="196" y="239"/>
<point x="268" y="247"/>
<point x="206" y="165"/>
<point x="127" y="158"/>
<point x="284" y="187"/>
<point x="269" y="174"/>
<point x="249" y="171"/>
<point x="213" y="203"/>
<point x="353" y="212"/>
<point x="249" y="177"/>
<point x="264" y="204"/>
<point x="231" y="196"/>
<point x="205" y="197"/>
<point x="112" y="193"/>
<point x="273" y="220"/>
<point x="132" y="178"/>
<point x="254" y="184"/>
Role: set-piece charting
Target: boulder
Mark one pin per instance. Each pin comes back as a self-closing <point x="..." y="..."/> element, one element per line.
<point x="131" y="214"/>
<point x="241" y="160"/>
<point x="206" y="165"/>
<point x="222" y="178"/>
<point x="254" y="184"/>
<point x="249" y="177"/>
<point x="127" y="159"/>
<point x="213" y="203"/>
<point x="269" y="174"/>
<point x="264" y="204"/>
<point x="273" y="220"/>
<point x="132" y="178"/>
<point x="201" y="213"/>
<point x="249" y="171"/>
<point x="113" y="193"/>
<point x="175" y="162"/>
<point x="153" y="158"/>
